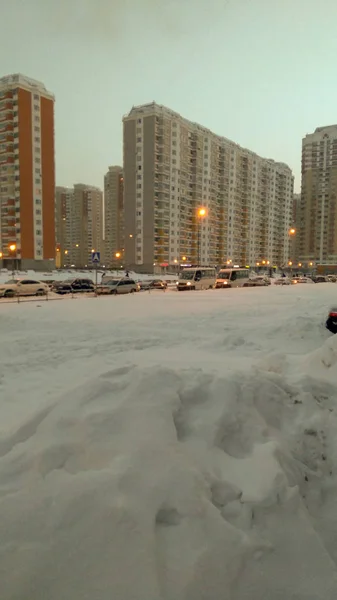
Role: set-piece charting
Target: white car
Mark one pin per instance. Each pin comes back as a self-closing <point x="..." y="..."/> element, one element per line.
<point x="23" y="287"/>
<point x="282" y="281"/>
<point x="302" y="280"/>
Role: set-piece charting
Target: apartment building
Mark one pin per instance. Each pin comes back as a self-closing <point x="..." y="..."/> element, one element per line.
<point x="64" y="197"/>
<point x="84" y="225"/>
<point x="114" y="217"/>
<point x="317" y="216"/>
<point x="172" y="168"/>
<point x="27" y="173"/>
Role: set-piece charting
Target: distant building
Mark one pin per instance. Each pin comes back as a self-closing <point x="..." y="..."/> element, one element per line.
<point x="172" y="169"/>
<point x="317" y="212"/>
<point x="79" y="225"/>
<point x="114" y="217"/>
<point x="85" y="225"/>
<point x="63" y="199"/>
<point x="27" y="173"/>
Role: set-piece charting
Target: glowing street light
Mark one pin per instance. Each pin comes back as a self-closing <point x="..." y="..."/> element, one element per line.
<point x="292" y="231"/>
<point x="77" y="245"/>
<point x="311" y="264"/>
<point x="290" y="263"/>
<point x="184" y="258"/>
<point x="1" y="254"/>
<point x="66" y="252"/>
<point x="118" y="255"/>
<point x="12" y="247"/>
<point x="299" y="264"/>
<point x="202" y="212"/>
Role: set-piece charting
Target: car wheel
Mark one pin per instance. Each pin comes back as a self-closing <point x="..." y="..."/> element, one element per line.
<point x="40" y="293"/>
<point x="9" y="294"/>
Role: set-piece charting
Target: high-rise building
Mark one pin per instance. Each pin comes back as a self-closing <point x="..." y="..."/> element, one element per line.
<point x="114" y="217"/>
<point x="172" y="169"/>
<point x="64" y="196"/>
<point x="84" y="225"/>
<point x="317" y="215"/>
<point x="27" y="173"/>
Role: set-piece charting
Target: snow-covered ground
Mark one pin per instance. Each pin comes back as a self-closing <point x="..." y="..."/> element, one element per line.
<point x="169" y="447"/>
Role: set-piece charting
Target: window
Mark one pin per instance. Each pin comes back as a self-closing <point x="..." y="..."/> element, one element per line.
<point x="37" y="119"/>
<point x="38" y="232"/>
<point x="37" y="129"/>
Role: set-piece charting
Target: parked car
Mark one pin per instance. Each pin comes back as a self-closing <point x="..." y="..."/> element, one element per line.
<point x="23" y="287"/>
<point x="321" y="279"/>
<point x="258" y="281"/>
<point x="73" y="286"/>
<point x="331" y="322"/>
<point x="117" y="286"/>
<point x="154" y="284"/>
<point x="282" y="281"/>
<point x="332" y="278"/>
<point x="302" y="280"/>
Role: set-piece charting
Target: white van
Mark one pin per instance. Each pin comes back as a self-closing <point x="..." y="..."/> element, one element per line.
<point x="197" y="278"/>
<point x="232" y="277"/>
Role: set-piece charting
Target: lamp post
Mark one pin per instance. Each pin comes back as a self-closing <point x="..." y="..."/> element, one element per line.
<point x="12" y="250"/>
<point x="201" y="214"/>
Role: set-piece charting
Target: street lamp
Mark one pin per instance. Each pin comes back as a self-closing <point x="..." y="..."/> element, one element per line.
<point x="184" y="258"/>
<point x="201" y="214"/>
<point x="292" y="231"/>
<point x="12" y="250"/>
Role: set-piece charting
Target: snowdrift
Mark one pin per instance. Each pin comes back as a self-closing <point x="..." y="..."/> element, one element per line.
<point x="176" y="484"/>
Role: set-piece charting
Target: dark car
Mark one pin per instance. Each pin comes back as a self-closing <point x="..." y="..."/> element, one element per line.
<point x="73" y="286"/>
<point x="331" y="322"/>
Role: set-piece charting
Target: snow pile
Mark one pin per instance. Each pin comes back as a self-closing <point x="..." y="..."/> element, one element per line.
<point x="151" y="482"/>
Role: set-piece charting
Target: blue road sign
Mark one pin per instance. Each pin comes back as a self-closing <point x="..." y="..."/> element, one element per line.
<point x="96" y="258"/>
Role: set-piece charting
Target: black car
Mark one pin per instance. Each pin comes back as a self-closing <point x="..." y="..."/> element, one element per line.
<point x="73" y="286"/>
<point x="331" y="322"/>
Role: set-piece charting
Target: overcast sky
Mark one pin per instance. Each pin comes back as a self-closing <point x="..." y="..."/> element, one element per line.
<point x="260" y="72"/>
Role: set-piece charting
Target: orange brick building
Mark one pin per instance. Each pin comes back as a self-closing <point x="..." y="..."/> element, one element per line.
<point x="27" y="174"/>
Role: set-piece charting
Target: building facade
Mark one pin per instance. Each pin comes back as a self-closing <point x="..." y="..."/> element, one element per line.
<point x="64" y="197"/>
<point x="317" y="216"/>
<point x="27" y="173"/>
<point x="172" y="168"/>
<point x="84" y="225"/>
<point x="114" y="217"/>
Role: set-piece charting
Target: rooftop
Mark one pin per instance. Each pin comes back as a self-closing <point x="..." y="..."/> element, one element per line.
<point x="19" y="80"/>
